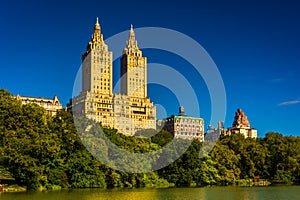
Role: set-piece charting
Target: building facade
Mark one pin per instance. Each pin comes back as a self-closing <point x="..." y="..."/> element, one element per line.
<point x="50" y="105"/>
<point x="129" y="111"/>
<point x="213" y="134"/>
<point x="241" y="125"/>
<point x="133" y="69"/>
<point x="184" y="127"/>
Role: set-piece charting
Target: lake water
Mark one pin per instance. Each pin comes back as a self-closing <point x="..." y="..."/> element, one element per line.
<point x="211" y="193"/>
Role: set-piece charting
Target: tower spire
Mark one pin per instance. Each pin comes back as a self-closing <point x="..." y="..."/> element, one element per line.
<point x="97" y="25"/>
<point x="97" y="37"/>
<point x="131" y="35"/>
<point x="131" y="43"/>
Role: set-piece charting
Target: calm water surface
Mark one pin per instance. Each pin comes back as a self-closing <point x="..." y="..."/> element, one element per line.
<point x="223" y="193"/>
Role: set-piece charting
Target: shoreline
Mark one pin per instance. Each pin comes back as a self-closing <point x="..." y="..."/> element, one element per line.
<point x="42" y="189"/>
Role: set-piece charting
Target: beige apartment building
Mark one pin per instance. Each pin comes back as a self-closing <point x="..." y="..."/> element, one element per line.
<point x="50" y="105"/>
<point x="129" y="111"/>
<point x="184" y="127"/>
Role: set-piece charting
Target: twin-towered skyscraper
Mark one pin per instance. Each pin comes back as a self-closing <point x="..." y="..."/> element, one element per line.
<point x="129" y="111"/>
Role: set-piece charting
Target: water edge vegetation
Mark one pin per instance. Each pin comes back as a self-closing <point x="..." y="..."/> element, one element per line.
<point x="39" y="151"/>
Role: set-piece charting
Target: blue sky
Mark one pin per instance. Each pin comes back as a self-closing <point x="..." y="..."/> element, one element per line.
<point x="255" y="45"/>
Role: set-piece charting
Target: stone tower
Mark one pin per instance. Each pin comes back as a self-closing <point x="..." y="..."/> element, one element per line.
<point x="241" y="125"/>
<point x="95" y="100"/>
<point x="133" y="69"/>
<point x="240" y="120"/>
<point x="97" y="65"/>
<point x="129" y="111"/>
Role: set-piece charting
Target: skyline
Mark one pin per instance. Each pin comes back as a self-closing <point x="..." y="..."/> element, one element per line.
<point x="49" y="38"/>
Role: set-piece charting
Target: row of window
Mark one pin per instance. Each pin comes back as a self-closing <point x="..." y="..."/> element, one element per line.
<point x="118" y="107"/>
<point x="104" y="70"/>
<point x="105" y="114"/>
<point x="101" y="63"/>
<point x="189" y="134"/>
<point x="102" y="58"/>
<point x="102" y="101"/>
<point x="188" y="121"/>
<point x="103" y="54"/>
<point x="193" y="129"/>
<point x="122" y="102"/>
<point x="189" y="125"/>
<point x="101" y="79"/>
<point x="102" y="88"/>
<point x="137" y="80"/>
<point x="135" y="54"/>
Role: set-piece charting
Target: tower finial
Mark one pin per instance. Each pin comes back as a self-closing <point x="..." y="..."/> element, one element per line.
<point x="131" y="42"/>
<point x="97" y="25"/>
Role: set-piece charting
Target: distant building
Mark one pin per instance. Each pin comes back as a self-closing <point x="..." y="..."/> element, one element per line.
<point x="241" y="125"/>
<point x="184" y="127"/>
<point x="50" y="105"/>
<point x="213" y="134"/>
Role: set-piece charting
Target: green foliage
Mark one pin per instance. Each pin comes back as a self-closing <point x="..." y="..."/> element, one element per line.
<point x="190" y="169"/>
<point x="39" y="151"/>
<point x="274" y="157"/>
<point x="145" y="133"/>
<point x="162" y="138"/>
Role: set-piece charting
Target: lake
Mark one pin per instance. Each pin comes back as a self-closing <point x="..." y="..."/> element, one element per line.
<point x="232" y="193"/>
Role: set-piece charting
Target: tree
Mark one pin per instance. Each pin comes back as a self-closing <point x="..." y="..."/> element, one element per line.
<point x="227" y="163"/>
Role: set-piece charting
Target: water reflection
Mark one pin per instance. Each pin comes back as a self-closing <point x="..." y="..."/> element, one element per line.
<point x="207" y="193"/>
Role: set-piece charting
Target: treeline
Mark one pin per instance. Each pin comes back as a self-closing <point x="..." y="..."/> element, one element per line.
<point x="43" y="151"/>
<point x="275" y="157"/>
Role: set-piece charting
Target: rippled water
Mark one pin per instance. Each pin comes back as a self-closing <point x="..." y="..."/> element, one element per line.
<point x="223" y="193"/>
